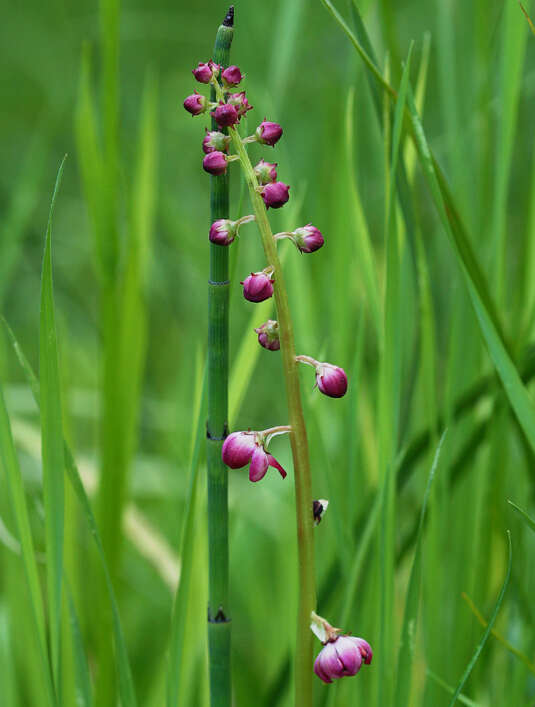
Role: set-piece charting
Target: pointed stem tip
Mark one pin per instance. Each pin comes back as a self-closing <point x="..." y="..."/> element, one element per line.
<point x="229" y="17"/>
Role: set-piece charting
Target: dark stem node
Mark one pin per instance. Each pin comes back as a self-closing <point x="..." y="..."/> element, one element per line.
<point x="229" y="17"/>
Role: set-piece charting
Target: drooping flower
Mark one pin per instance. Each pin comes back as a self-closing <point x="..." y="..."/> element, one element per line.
<point x="268" y="335"/>
<point x="224" y="231"/>
<point x="275" y="194"/>
<point x="268" y="133"/>
<point x="342" y="657"/>
<point x="215" y="163"/>
<point x="242" y="448"/>
<point x="215" y="141"/>
<point x="231" y="76"/>
<point x="196" y="104"/>
<point x="205" y="71"/>
<point x="266" y="172"/>
<point x="331" y="380"/>
<point x="258" y="286"/>
<point x="308" y="238"/>
<point x="225" y="115"/>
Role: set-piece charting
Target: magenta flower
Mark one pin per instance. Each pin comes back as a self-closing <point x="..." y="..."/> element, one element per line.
<point x="231" y="76"/>
<point x="196" y="104"/>
<point x="205" y="71"/>
<point x="224" y="231"/>
<point x="268" y="335"/>
<point x="215" y="163"/>
<point x="331" y="380"/>
<point x="225" y="115"/>
<point x="266" y="172"/>
<point x="240" y="102"/>
<point x="242" y="448"/>
<point x="258" y="286"/>
<point x="215" y="141"/>
<point x="308" y="238"/>
<point x="275" y="194"/>
<point x="341" y="657"/>
<point x="268" y="133"/>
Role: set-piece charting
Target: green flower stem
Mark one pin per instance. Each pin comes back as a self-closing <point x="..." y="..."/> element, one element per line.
<point x="218" y="304"/>
<point x="298" y="438"/>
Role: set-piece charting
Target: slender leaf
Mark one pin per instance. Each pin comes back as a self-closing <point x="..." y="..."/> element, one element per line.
<point x="525" y="517"/>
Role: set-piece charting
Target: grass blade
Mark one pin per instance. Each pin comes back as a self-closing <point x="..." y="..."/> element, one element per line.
<point x="525" y="517"/>
<point x="52" y="444"/>
<point x="126" y="684"/>
<point x="483" y="640"/>
<point x="412" y="601"/>
<point x="81" y="670"/>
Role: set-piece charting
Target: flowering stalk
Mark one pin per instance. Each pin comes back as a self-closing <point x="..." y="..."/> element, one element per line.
<point x="218" y="298"/>
<point x="298" y="439"/>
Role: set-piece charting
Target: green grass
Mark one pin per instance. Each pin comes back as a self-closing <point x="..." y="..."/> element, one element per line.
<point x="422" y="179"/>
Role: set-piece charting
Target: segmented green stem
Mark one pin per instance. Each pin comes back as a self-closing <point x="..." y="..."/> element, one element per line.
<point x="298" y="438"/>
<point x="218" y="298"/>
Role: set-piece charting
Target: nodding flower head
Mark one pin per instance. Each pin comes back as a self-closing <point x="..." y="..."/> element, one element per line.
<point x="196" y="104"/>
<point x="240" y="102"/>
<point x="308" y="238"/>
<point x="266" y="172"/>
<point x="242" y="448"/>
<point x="275" y="194"/>
<point x="268" y="133"/>
<point x="205" y="71"/>
<point x="215" y="163"/>
<point x="268" y="335"/>
<point x="331" y="380"/>
<point x="215" y="141"/>
<point x="224" y="231"/>
<point x="258" y="286"/>
<point x="225" y="115"/>
<point x="231" y="76"/>
<point x="341" y="657"/>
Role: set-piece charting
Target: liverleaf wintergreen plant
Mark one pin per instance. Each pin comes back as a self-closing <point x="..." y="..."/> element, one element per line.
<point x="247" y="447"/>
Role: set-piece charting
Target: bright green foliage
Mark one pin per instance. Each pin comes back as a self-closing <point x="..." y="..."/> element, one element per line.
<point x="424" y="292"/>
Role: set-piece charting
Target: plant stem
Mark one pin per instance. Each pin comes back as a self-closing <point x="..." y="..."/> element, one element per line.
<point x="298" y="438"/>
<point x="217" y="429"/>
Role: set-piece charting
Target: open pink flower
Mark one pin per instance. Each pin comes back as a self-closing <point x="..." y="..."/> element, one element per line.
<point x="242" y="448"/>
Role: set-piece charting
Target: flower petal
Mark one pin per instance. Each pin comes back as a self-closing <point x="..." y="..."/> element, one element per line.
<point x="259" y="464"/>
<point x="237" y="449"/>
<point x="273" y="462"/>
<point x="349" y="654"/>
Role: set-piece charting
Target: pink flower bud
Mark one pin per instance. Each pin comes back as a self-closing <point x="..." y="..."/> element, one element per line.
<point x="240" y="102"/>
<point x="257" y="287"/>
<point x="268" y="133"/>
<point x="331" y="380"/>
<point x="215" y="141"/>
<point x="342" y="657"/>
<point x="224" y="231"/>
<point x="308" y="239"/>
<point x="275" y="194"/>
<point x="268" y="335"/>
<point x="231" y="76"/>
<point x="240" y="448"/>
<point x="215" y="163"/>
<point x="196" y="104"/>
<point x="225" y="115"/>
<point x="266" y="172"/>
<point x="205" y="71"/>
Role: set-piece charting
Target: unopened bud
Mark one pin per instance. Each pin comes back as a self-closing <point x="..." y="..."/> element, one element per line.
<point x="257" y="287"/>
<point x="266" y="172"/>
<point x="215" y="141"/>
<point x="308" y="238"/>
<point x="196" y="104"/>
<point x="268" y="133"/>
<point x="240" y="102"/>
<point x="268" y="335"/>
<point x="224" y="231"/>
<point x="231" y="76"/>
<point x="215" y="163"/>
<point x="275" y="194"/>
<point x="225" y="115"/>
<point x="205" y="71"/>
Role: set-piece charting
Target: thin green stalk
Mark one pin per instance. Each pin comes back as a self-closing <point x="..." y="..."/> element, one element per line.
<point x="298" y="439"/>
<point x="217" y="426"/>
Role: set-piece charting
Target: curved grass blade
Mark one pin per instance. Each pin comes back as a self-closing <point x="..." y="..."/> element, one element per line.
<point x="186" y="553"/>
<point x="81" y="670"/>
<point x="124" y="674"/>
<point x="52" y="444"/>
<point x="483" y="640"/>
<point x="412" y="601"/>
<point x="17" y="500"/>
<point x="462" y="698"/>
<point x="525" y="517"/>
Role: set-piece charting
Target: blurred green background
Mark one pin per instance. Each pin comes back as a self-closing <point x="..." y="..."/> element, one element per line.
<point x="105" y="85"/>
